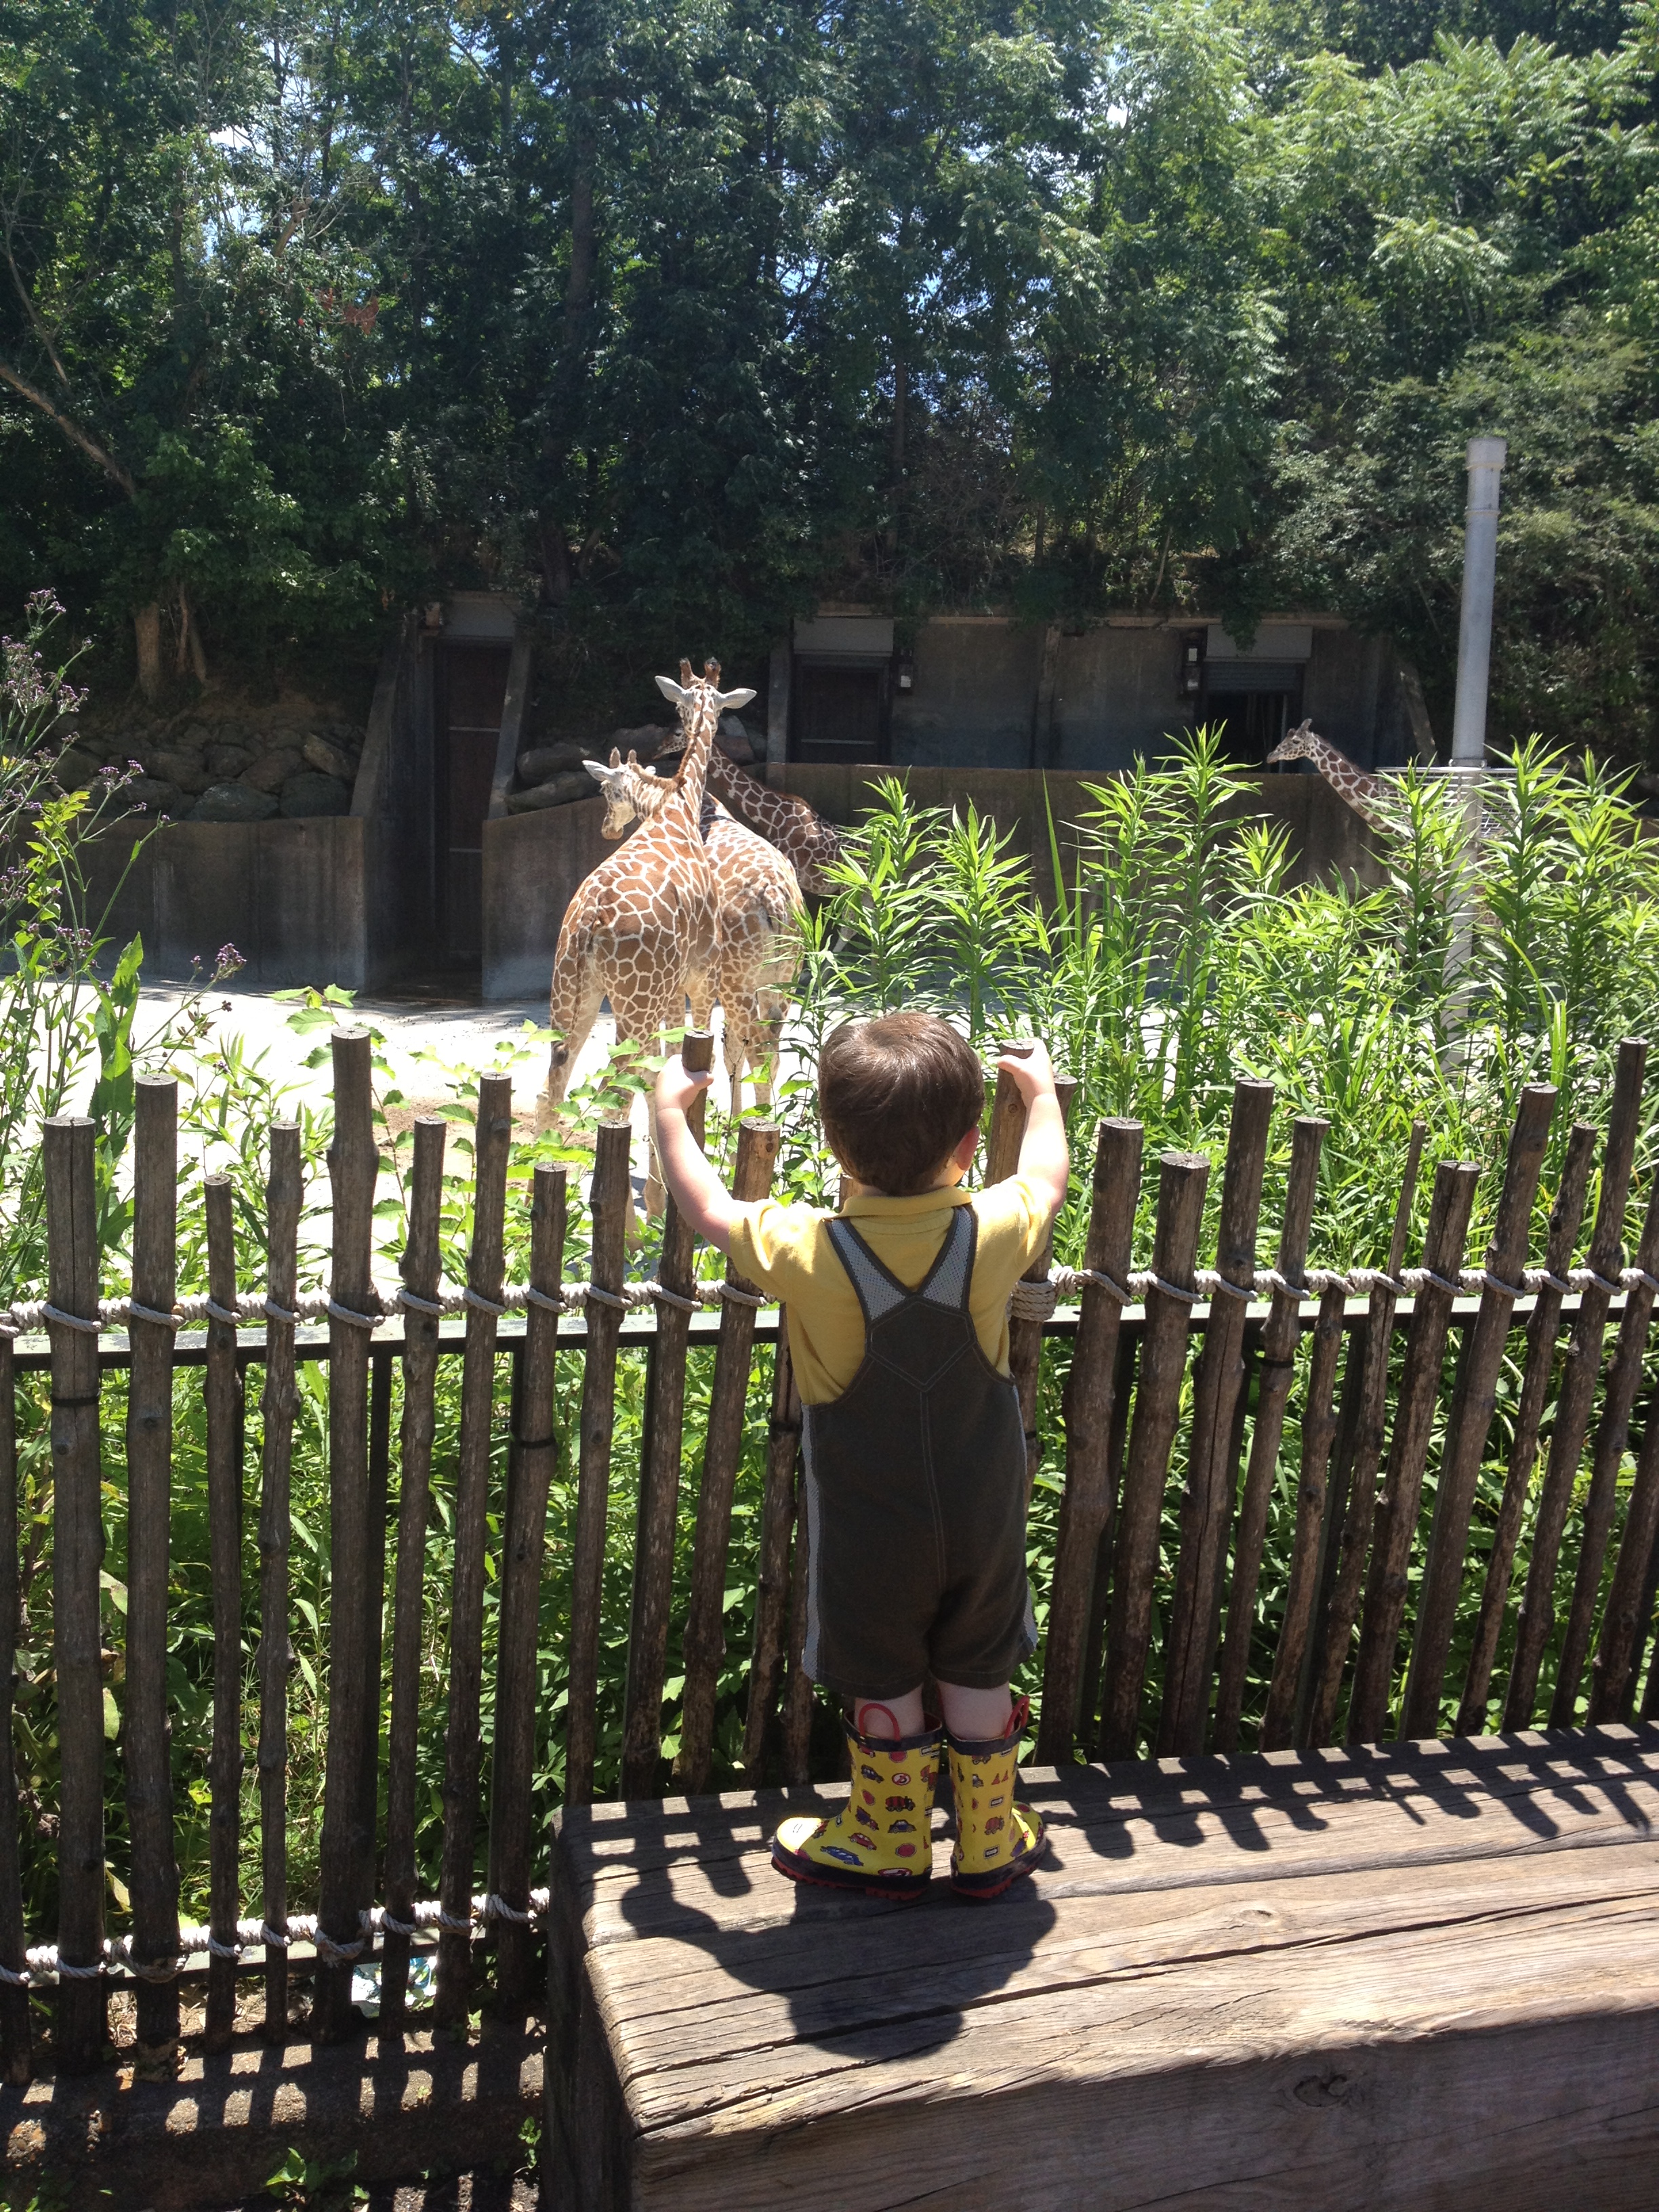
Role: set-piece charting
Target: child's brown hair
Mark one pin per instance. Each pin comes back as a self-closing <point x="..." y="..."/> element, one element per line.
<point x="898" y="1094"/>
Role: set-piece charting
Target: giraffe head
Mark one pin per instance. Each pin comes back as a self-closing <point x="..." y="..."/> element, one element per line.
<point x="1295" y="744"/>
<point x="619" y="782"/>
<point x="692" y="693"/>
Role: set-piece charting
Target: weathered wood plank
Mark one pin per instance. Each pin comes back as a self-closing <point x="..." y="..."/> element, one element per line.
<point x="1612" y="1435"/>
<point x="1474" y="1402"/>
<point x="422" y="1269"/>
<point x="148" y="1758"/>
<point x="279" y="1404"/>
<point x="1206" y="1505"/>
<point x="1535" y="1619"/>
<point x="531" y="1461"/>
<point x="345" y="1870"/>
<point x="660" y="1453"/>
<point x="1317" y="1951"/>
<point x="1454" y="1183"/>
<point x="485" y="1269"/>
<point x="224" y="1459"/>
<point x="1182" y="1180"/>
<point x="1543" y="1325"/>
<point x="16" y="2060"/>
<point x="728" y="1399"/>
<point x="1089" y="1411"/>
<point x="609" y="1201"/>
<point x="1301" y="1580"/>
<point x="1279" y="1342"/>
<point x="1350" y="1504"/>
<point x="77" y="1555"/>
<point x="771" y="1579"/>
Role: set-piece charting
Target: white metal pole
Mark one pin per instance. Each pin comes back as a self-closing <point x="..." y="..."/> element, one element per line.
<point x="1485" y="465"/>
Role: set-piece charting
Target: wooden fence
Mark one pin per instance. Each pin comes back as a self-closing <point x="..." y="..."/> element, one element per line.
<point x="1361" y="1560"/>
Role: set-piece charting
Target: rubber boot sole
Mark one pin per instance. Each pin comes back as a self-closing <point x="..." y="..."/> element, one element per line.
<point x="898" y="1889"/>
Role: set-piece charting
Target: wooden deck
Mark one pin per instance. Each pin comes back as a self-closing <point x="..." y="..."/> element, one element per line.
<point x="1416" y="1976"/>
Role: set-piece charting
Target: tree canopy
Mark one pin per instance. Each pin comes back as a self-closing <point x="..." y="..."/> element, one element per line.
<point x="677" y="319"/>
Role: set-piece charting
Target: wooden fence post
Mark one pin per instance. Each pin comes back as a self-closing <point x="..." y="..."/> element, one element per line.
<point x="1474" y="1402"/>
<point x="1629" y="1601"/>
<point x="1086" y="1504"/>
<point x="660" y="1453"/>
<point x="354" y="1166"/>
<point x="1302" y="1578"/>
<point x="1002" y="1160"/>
<point x="1182" y="1180"/>
<point x="283" y="1195"/>
<point x="1207" y="1503"/>
<point x="1124" y="1370"/>
<point x="224" y="1465"/>
<point x="485" y="1269"/>
<point x="1278" y="1343"/>
<point x="77" y="1555"/>
<point x="530" y="1460"/>
<point x="798" y="1688"/>
<point x="1349" y="1516"/>
<point x="1395" y="1519"/>
<point x="16" y="2059"/>
<point x="772" y="1580"/>
<point x="705" y="1636"/>
<point x="608" y="1205"/>
<point x="1536" y="1619"/>
<point x="1542" y="1332"/>
<point x="421" y="1270"/>
<point x="154" y="1869"/>
<point x="1624" y="1381"/>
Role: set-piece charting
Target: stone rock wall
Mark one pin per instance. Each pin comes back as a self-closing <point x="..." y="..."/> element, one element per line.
<point x="227" y="765"/>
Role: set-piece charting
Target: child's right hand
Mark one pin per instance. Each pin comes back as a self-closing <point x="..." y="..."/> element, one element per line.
<point x="1032" y="1070"/>
<point x="677" y="1085"/>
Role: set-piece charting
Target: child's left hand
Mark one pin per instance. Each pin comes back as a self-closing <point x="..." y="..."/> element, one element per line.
<point x="676" y="1085"/>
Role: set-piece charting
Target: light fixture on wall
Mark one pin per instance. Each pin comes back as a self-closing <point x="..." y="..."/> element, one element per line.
<point x="1192" y="663"/>
<point x="904" y="669"/>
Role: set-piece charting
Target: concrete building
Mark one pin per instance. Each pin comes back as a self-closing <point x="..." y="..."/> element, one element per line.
<point x="985" y="691"/>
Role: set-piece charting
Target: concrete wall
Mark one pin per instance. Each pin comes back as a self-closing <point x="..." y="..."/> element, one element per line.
<point x="1115" y="695"/>
<point x="342" y="899"/>
<point x="533" y="862"/>
<point x="290" y="895"/>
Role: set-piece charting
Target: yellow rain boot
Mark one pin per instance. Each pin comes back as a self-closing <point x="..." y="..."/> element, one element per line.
<point x="997" y="1838"/>
<point x="881" y="1841"/>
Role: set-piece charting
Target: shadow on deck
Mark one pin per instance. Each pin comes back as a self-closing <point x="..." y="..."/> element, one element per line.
<point x="1407" y="1976"/>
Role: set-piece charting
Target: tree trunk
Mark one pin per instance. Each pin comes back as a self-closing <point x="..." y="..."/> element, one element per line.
<point x="147" y="631"/>
<point x="190" y="640"/>
<point x="895" y="447"/>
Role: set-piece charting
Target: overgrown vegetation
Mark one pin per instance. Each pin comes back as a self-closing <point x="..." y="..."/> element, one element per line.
<point x="675" y="317"/>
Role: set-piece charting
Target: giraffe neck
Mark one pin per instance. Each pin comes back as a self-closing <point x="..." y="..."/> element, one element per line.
<point x="790" y="824"/>
<point x="693" y="761"/>
<point x="1362" y="791"/>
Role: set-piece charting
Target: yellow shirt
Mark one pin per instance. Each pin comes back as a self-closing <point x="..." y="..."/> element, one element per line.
<point x="787" y="1250"/>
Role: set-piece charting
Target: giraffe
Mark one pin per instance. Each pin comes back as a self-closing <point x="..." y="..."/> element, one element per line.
<point x="640" y="928"/>
<point x="1364" y="792"/>
<point x="757" y="906"/>
<point x="811" y="844"/>
<point x="1369" y="795"/>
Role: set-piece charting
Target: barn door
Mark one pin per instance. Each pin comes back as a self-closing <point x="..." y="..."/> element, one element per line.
<point x="470" y="690"/>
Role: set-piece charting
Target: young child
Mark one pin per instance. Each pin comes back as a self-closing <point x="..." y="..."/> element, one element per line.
<point x="915" y="1458"/>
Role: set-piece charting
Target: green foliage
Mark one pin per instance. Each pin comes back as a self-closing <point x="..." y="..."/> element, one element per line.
<point x="675" y="319"/>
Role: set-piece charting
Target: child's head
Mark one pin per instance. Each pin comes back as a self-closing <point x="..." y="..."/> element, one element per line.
<point x="898" y="1095"/>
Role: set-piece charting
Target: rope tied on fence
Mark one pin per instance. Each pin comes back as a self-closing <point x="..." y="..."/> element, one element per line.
<point x="50" y="1312"/>
<point x="1423" y="1278"/>
<point x="336" y="1311"/>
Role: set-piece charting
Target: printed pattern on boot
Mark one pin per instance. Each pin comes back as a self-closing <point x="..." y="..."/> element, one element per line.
<point x="997" y="1838"/>
<point x="881" y="1841"/>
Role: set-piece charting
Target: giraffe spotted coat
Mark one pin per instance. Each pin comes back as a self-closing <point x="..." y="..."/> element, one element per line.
<point x="758" y="905"/>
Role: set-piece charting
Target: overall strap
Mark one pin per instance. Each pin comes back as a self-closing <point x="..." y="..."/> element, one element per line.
<point x="878" y="1291"/>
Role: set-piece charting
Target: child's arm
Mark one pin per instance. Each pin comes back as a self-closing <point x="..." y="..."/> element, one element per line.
<point x="701" y="1196"/>
<point x="1045" y="1161"/>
